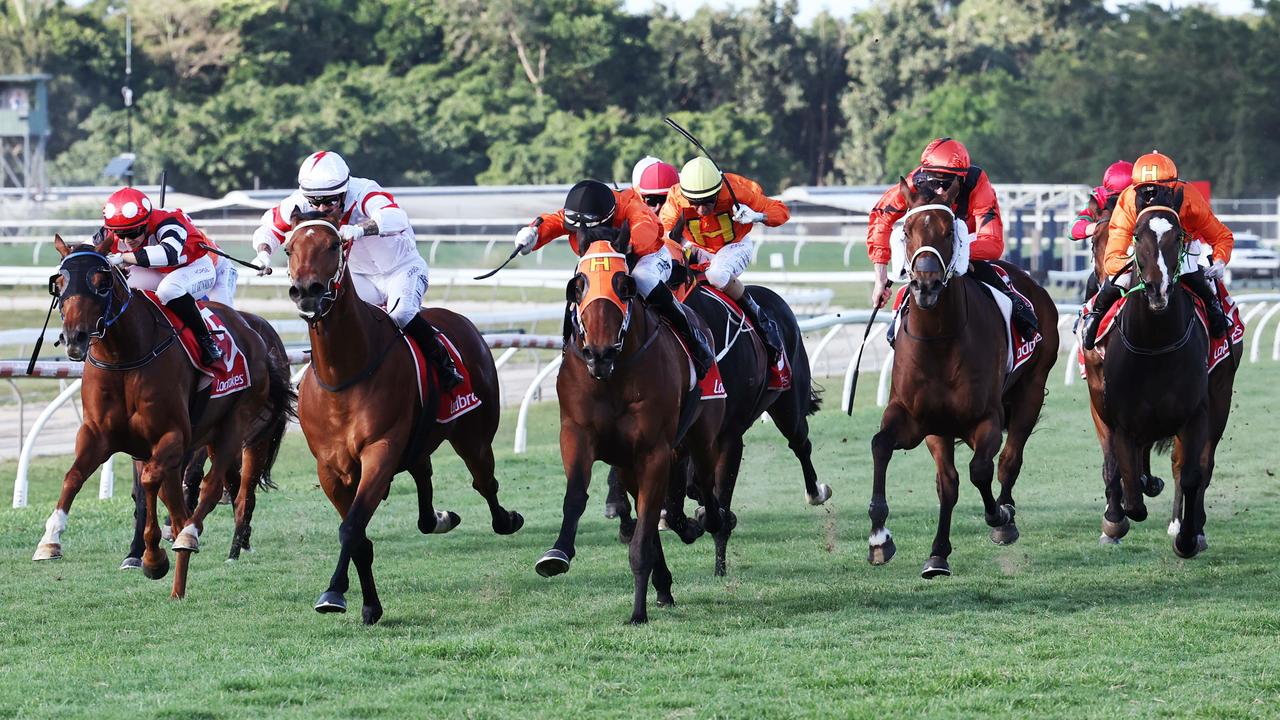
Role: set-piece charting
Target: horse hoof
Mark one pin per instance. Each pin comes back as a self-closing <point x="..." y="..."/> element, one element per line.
<point x="1185" y="549"/>
<point x="610" y="511"/>
<point x="1175" y="526"/>
<point x="638" y="619"/>
<point x="370" y="614"/>
<point x="1152" y="486"/>
<point x="666" y="600"/>
<point x="882" y="553"/>
<point x="331" y="602"/>
<point x="131" y="563"/>
<point x="47" y="551"/>
<point x="1115" y="530"/>
<point x="157" y="571"/>
<point x="934" y="567"/>
<point x="824" y="494"/>
<point x="553" y="562"/>
<point x="1005" y="534"/>
<point x="186" y="542"/>
<point x="662" y="524"/>
<point x="1137" y="513"/>
<point x="515" y="521"/>
<point x="1106" y="540"/>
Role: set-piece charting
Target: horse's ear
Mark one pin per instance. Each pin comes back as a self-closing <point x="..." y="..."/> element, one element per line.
<point x="905" y="190"/>
<point x="576" y="288"/>
<point x="102" y="241"/>
<point x="60" y="246"/>
<point x="295" y="217"/>
<point x="625" y="286"/>
<point x="952" y="192"/>
<point x="582" y="239"/>
<point x="1177" y="199"/>
<point x="622" y="241"/>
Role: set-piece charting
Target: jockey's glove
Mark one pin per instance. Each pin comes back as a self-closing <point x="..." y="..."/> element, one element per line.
<point x="526" y="239"/>
<point x="350" y="232"/>
<point x="116" y="258"/>
<point x="263" y="261"/>
<point x="745" y="215"/>
<point x="1216" y="270"/>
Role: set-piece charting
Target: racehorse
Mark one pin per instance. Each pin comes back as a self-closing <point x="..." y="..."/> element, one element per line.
<point x="141" y="397"/>
<point x="743" y="363"/>
<point x="360" y="415"/>
<point x="1151" y="383"/>
<point x="243" y="497"/>
<point x="625" y="399"/>
<point x="951" y="381"/>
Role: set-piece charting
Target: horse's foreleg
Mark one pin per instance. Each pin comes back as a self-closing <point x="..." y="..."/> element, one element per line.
<point x="944" y="456"/>
<point x="91" y="452"/>
<point x="477" y="453"/>
<point x="1129" y="463"/>
<point x="577" y="456"/>
<point x="377" y="466"/>
<point x="652" y="473"/>
<point x="897" y="431"/>
<point x="1194" y="440"/>
<point x="726" y="473"/>
<point x="428" y="521"/>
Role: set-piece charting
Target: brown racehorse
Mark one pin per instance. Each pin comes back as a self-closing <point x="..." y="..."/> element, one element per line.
<point x="140" y="395"/>
<point x="950" y="382"/>
<point x="361" y="415"/>
<point x="1151" y="383"/>
<point x="624" y="400"/>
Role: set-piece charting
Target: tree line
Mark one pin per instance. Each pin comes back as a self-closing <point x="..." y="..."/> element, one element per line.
<point x="233" y="93"/>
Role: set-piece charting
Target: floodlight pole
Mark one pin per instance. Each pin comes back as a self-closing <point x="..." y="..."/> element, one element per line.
<point x="127" y="91"/>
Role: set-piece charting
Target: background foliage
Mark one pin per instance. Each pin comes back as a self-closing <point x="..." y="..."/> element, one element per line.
<point x="233" y="92"/>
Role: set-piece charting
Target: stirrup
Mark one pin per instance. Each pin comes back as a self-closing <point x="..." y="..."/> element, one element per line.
<point x="450" y="376"/>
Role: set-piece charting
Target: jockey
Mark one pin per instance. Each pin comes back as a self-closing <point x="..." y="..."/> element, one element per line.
<point x="653" y="180"/>
<point x="386" y="268"/>
<point x="168" y="254"/>
<point x="591" y="204"/>
<point x="943" y="162"/>
<point x="1118" y="177"/>
<point x="714" y="212"/>
<point x="1150" y="173"/>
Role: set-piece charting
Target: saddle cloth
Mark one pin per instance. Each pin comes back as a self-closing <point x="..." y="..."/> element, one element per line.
<point x="1219" y="348"/>
<point x="454" y="403"/>
<point x="225" y="377"/>
<point x="712" y="383"/>
<point x="779" y="374"/>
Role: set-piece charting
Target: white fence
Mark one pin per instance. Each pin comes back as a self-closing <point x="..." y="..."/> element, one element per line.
<point x="1256" y="307"/>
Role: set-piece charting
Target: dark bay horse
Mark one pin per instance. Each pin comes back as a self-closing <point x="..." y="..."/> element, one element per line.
<point x="624" y="399"/>
<point x="743" y="364"/>
<point x="140" y="395"/>
<point x="1151" y="383"/>
<point x="950" y="381"/>
<point x="361" y="415"/>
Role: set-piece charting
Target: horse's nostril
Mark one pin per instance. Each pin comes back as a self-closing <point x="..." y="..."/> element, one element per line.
<point x="294" y="293"/>
<point x="315" y="289"/>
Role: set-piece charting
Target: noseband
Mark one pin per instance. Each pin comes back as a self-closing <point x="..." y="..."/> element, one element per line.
<point x="334" y="286"/>
<point x="950" y="270"/>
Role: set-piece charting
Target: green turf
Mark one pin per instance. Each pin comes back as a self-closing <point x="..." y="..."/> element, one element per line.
<point x="1054" y="626"/>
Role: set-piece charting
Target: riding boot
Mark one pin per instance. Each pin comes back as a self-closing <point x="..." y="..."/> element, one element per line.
<point x="184" y="306"/>
<point x="769" y="334"/>
<point x="1199" y="284"/>
<point x="432" y="345"/>
<point x="1024" y="316"/>
<point x="674" y="312"/>
<point x="1102" y="302"/>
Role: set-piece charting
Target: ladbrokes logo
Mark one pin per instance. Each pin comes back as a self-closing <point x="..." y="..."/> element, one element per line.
<point x="463" y="401"/>
<point x="230" y="383"/>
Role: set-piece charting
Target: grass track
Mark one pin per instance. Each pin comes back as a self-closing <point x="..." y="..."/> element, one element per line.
<point x="1054" y="626"/>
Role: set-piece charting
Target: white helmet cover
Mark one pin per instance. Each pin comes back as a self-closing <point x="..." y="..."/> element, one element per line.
<point x="640" y="167"/>
<point x="323" y="173"/>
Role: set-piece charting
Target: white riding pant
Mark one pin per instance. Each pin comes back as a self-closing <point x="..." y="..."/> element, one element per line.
<point x="224" y="287"/>
<point x="196" y="280"/>
<point x="652" y="269"/>
<point x="399" y="291"/>
<point x="1190" y="264"/>
<point x="728" y="262"/>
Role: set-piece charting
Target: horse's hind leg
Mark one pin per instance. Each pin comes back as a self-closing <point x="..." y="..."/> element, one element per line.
<point x="1129" y="463"/>
<point x="429" y="521"/>
<point x="477" y="453"/>
<point x="133" y="560"/>
<point x="943" y="450"/>
<point x="986" y="443"/>
<point x="1024" y="411"/>
<point x="898" y="431"/>
<point x="620" y="505"/>
<point x="682" y="484"/>
<point x="1175" y="521"/>
<point x="789" y="417"/>
<point x="242" y="483"/>
<point x="726" y="473"/>
<point x="1152" y="485"/>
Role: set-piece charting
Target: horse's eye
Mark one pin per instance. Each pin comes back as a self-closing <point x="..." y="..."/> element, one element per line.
<point x="335" y="245"/>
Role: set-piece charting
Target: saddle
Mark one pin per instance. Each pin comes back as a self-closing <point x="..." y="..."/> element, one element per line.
<point x="225" y="377"/>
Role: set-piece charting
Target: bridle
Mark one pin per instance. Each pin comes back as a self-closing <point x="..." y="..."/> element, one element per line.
<point x="334" y="285"/>
<point x="626" y="308"/>
<point x="950" y="270"/>
<point x="108" y="297"/>
<point x="1182" y="253"/>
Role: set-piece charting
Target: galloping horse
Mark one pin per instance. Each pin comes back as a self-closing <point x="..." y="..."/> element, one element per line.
<point x="362" y="419"/>
<point x="744" y="368"/>
<point x="1151" y="382"/>
<point x="625" y="400"/>
<point x="141" y="397"/>
<point x="951" y="381"/>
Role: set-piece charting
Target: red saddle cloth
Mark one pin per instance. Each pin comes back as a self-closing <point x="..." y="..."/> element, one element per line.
<point x="1219" y="348"/>
<point x="712" y="384"/>
<point x="453" y="403"/>
<point x="227" y="376"/>
<point x="780" y="374"/>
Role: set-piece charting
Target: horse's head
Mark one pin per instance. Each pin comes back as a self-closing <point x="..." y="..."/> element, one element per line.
<point x="88" y="295"/>
<point x="1157" y="238"/>
<point x="602" y="292"/>
<point x="929" y="227"/>
<point x="317" y="261"/>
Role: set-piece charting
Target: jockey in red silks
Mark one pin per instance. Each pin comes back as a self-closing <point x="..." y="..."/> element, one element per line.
<point x="386" y="268"/>
<point x="943" y="162"/>
<point x="1118" y="177"/>
<point x="168" y="255"/>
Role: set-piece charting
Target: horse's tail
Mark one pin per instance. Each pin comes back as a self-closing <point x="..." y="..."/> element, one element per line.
<point x="815" y="399"/>
<point x="282" y="406"/>
<point x="1164" y="446"/>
